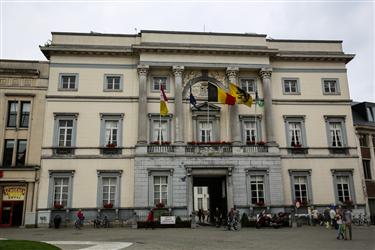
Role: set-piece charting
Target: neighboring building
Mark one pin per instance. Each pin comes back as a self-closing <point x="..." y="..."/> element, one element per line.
<point x="23" y="86"/>
<point x="103" y="128"/>
<point x="201" y="199"/>
<point x="364" y="124"/>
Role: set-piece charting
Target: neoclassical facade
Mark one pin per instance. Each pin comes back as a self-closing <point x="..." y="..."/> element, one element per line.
<point x="106" y="148"/>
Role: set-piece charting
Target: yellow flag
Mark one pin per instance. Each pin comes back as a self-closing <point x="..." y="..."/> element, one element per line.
<point x="242" y="97"/>
<point x="163" y="102"/>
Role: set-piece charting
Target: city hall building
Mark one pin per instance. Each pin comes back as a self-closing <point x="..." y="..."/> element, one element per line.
<point x="106" y="148"/>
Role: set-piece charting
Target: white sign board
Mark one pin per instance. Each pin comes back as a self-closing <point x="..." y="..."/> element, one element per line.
<point x="168" y="220"/>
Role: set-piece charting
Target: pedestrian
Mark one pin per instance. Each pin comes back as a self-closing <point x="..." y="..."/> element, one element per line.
<point x="348" y="218"/>
<point x="217" y="217"/>
<point x="332" y="215"/>
<point x="150" y="219"/>
<point x="208" y="215"/>
<point x="315" y="215"/>
<point x="327" y="218"/>
<point x="200" y="215"/>
<point x="341" y="227"/>
<point x="81" y="218"/>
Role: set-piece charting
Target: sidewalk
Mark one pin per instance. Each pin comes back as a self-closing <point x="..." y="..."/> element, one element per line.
<point x="205" y="238"/>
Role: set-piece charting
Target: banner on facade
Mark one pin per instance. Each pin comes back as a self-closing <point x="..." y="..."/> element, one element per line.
<point x="14" y="193"/>
<point x="168" y="220"/>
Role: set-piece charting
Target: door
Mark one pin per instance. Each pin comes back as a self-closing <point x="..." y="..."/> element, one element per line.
<point x="11" y="213"/>
<point x="371" y="203"/>
<point x="6" y="214"/>
<point x="17" y="210"/>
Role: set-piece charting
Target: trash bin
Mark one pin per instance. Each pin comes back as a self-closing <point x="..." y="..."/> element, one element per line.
<point x="57" y="221"/>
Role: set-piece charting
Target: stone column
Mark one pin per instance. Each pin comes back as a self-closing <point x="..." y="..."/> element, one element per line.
<point x="189" y="191"/>
<point x="178" y="106"/>
<point x="233" y="110"/>
<point x="265" y="75"/>
<point x="142" y="104"/>
<point x="230" y="198"/>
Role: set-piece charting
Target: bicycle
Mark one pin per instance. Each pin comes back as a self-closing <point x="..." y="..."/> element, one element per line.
<point x="361" y="220"/>
<point x="78" y="224"/>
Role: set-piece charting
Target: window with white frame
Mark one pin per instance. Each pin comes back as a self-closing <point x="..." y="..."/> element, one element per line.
<point x="331" y="86"/>
<point x="65" y="132"/>
<point x="200" y="203"/>
<point x="250" y="131"/>
<point x="158" y="81"/>
<point x="291" y="86"/>
<point x="300" y="188"/>
<point x="370" y="114"/>
<point x="160" y="190"/>
<point x="111" y="132"/>
<point x="248" y="84"/>
<point x="60" y="191"/>
<point x="257" y="189"/>
<point x="343" y="189"/>
<point x="335" y="131"/>
<point x="113" y="83"/>
<point x="295" y="133"/>
<point x="109" y="185"/>
<point x="68" y="82"/>
<point x="205" y="131"/>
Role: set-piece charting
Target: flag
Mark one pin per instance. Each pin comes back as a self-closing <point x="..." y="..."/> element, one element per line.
<point x="258" y="101"/>
<point x="216" y="94"/>
<point x="163" y="102"/>
<point x="242" y="97"/>
<point x="192" y="100"/>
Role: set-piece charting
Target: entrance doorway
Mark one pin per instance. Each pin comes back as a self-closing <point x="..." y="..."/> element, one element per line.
<point x="210" y="193"/>
<point x="11" y="213"/>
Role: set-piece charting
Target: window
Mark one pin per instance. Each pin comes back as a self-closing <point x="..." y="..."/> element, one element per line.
<point x="363" y="140"/>
<point x="161" y="190"/>
<point x="257" y="189"/>
<point x="367" y="169"/>
<point x="61" y="191"/>
<point x="200" y="190"/>
<point x="343" y="183"/>
<point x="330" y="87"/>
<point x="109" y="190"/>
<point x="205" y="131"/>
<point x="343" y="188"/>
<point x="300" y="188"/>
<point x="21" y="152"/>
<point x="8" y="153"/>
<point x="109" y="183"/>
<point x="111" y="132"/>
<point x="370" y="114"/>
<point x="112" y="82"/>
<point x="248" y="85"/>
<point x="12" y="113"/>
<point x="25" y="114"/>
<point x="160" y="128"/>
<point x="68" y="82"/>
<point x="291" y="86"/>
<point x="295" y="131"/>
<point x="250" y="130"/>
<point x="65" y="132"/>
<point x="158" y="81"/>
<point x="336" y="132"/>
<point x="60" y="188"/>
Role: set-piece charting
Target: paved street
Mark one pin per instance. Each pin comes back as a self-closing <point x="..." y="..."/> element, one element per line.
<point x="200" y="238"/>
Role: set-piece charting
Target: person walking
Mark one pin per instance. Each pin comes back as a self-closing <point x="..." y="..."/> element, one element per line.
<point x="200" y="213"/>
<point x="79" y="223"/>
<point x="150" y="219"/>
<point x="315" y="215"/>
<point x="348" y="219"/>
<point x="327" y="218"/>
<point x="217" y="217"/>
<point x="208" y="215"/>
<point x="332" y="215"/>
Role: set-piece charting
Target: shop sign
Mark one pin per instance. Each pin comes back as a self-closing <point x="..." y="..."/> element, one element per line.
<point x="14" y="193"/>
<point x="168" y="220"/>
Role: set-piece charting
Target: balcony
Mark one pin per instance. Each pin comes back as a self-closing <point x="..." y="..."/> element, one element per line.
<point x="160" y="148"/>
<point x="209" y="148"/>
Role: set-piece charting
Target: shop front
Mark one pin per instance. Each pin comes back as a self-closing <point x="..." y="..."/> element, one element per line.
<point x="12" y="205"/>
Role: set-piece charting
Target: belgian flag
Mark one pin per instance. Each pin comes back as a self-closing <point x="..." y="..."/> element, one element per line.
<point x="241" y="96"/>
<point x="216" y="94"/>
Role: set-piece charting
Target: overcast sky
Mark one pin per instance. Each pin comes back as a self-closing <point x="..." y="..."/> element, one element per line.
<point x="26" y="24"/>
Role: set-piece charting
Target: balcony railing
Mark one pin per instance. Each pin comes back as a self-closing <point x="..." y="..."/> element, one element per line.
<point x="254" y="149"/>
<point x="160" y="148"/>
<point x="207" y="149"/>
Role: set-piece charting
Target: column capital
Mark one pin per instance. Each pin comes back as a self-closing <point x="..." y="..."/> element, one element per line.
<point x="178" y="70"/>
<point x="232" y="71"/>
<point x="143" y="69"/>
<point x="265" y="73"/>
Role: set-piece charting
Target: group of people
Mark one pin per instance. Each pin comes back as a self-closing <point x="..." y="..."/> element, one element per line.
<point x="335" y="218"/>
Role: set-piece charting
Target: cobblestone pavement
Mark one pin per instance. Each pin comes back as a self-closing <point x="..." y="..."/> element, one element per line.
<point x="204" y="238"/>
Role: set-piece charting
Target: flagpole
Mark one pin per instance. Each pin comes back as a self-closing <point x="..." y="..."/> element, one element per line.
<point x="160" y="113"/>
<point x="208" y="110"/>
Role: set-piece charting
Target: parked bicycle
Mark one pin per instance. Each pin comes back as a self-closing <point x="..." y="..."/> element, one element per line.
<point x="361" y="220"/>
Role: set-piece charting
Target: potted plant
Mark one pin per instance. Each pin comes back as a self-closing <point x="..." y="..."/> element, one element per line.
<point x="348" y="202"/>
<point x="58" y="205"/>
<point x="108" y="205"/>
<point x="111" y="145"/>
<point x="261" y="143"/>
<point x="260" y="203"/>
<point x="297" y="145"/>
<point x="250" y="142"/>
<point x="160" y="205"/>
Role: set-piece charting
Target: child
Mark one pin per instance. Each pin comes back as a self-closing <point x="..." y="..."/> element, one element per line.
<point x="341" y="227"/>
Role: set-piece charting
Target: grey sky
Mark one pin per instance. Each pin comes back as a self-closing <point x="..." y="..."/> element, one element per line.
<point x="27" y="24"/>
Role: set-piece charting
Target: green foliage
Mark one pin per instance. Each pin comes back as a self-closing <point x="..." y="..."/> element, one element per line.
<point x="26" y="244"/>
